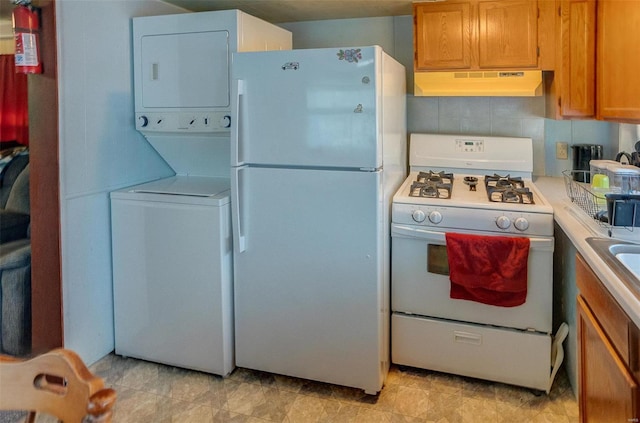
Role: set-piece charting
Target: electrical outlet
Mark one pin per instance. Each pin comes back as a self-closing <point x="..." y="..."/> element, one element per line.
<point x="562" y="150"/>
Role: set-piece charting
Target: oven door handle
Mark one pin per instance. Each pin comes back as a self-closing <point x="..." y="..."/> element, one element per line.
<point x="417" y="232"/>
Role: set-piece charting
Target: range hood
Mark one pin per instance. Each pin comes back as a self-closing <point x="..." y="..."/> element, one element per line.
<point x="479" y="84"/>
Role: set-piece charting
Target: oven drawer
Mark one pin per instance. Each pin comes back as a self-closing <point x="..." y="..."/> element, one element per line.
<point x="502" y="355"/>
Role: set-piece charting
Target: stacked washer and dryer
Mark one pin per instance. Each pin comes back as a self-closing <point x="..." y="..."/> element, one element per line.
<point x="172" y="248"/>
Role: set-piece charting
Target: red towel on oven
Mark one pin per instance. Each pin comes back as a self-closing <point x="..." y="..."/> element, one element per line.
<point x="488" y="269"/>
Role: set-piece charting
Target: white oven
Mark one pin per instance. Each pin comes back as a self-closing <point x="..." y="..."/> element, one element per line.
<point x="420" y="273"/>
<point x="446" y="193"/>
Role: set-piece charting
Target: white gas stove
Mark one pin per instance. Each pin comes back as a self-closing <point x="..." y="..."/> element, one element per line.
<point x="478" y="186"/>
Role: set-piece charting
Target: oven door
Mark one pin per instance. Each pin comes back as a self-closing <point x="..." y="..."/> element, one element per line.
<point x="420" y="282"/>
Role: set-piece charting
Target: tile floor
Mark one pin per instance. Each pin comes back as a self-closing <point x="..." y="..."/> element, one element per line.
<point x="149" y="392"/>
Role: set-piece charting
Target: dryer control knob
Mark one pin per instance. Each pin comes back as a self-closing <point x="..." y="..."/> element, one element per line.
<point x="521" y="224"/>
<point x="225" y="121"/>
<point x="418" y="216"/>
<point x="144" y="121"/>
<point x="503" y="222"/>
<point x="435" y="217"/>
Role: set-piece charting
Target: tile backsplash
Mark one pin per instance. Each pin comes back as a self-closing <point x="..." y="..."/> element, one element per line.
<point x="514" y="117"/>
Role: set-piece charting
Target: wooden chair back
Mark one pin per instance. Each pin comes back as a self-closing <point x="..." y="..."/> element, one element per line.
<point x="57" y="383"/>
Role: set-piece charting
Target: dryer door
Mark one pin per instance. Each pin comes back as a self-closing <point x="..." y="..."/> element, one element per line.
<point x="171" y="63"/>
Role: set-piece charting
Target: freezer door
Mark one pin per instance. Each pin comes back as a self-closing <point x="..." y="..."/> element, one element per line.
<point x="307" y="107"/>
<point x="309" y="285"/>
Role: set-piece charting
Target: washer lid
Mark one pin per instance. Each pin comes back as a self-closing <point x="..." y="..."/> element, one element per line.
<point x="194" y="186"/>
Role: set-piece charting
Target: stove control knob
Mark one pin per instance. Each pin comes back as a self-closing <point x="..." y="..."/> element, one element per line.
<point x="503" y="222"/>
<point x="435" y="217"/>
<point x="521" y="224"/>
<point x="418" y="216"/>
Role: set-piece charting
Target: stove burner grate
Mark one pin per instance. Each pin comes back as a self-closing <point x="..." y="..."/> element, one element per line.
<point x="432" y="185"/>
<point x="505" y="189"/>
<point x="439" y="177"/>
<point x="507" y="181"/>
<point x="429" y="190"/>
<point x="510" y="195"/>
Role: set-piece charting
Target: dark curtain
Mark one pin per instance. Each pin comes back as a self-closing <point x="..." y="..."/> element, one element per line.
<point x="14" y="113"/>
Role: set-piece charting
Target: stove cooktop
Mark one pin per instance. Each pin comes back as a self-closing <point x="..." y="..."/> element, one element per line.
<point x="494" y="191"/>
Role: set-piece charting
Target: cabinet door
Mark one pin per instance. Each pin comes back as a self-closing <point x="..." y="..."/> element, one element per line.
<point x="608" y="393"/>
<point x="577" y="69"/>
<point x="618" y="50"/>
<point x="508" y="33"/>
<point x="442" y="36"/>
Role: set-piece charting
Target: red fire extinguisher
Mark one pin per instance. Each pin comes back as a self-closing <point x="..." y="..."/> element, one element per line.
<point x="26" y="29"/>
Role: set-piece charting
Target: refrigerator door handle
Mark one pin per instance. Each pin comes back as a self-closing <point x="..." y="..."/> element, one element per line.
<point x="237" y="91"/>
<point x="239" y="239"/>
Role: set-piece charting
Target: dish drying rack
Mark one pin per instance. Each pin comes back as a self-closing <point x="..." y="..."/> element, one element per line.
<point x="609" y="207"/>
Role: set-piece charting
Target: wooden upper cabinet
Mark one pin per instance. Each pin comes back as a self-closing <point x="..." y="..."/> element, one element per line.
<point x="576" y="68"/>
<point x="508" y="34"/>
<point x="618" y="52"/>
<point x="442" y="35"/>
<point x="476" y="34"/>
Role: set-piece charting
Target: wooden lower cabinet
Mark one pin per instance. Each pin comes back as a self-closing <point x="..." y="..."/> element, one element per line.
<point x="608" y="390"/>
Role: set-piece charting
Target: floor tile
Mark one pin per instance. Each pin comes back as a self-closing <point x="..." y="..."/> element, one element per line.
<point x="150" y="392"/>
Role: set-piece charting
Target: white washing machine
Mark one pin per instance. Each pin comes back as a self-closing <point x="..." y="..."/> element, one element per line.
<point x="172" y="273"/>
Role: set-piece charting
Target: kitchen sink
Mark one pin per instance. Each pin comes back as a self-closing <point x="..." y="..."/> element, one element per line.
<point x="629" y="256"/>
<point x="622" y="257"/>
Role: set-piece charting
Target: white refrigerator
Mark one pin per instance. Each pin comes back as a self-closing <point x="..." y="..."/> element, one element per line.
<point x="318" y="148"/>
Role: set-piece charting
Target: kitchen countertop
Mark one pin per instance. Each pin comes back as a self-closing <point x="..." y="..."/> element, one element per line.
<point x="578" y="226"/>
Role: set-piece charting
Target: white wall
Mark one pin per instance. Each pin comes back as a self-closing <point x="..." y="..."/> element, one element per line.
<point x="99" y="151"/>
<point x="343" y="33"/>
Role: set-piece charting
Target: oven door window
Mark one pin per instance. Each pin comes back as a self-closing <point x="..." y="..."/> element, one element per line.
<point x="437" y="260"/>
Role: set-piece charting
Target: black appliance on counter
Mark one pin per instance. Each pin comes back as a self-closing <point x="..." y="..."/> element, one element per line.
<point x="582" y="155"/>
